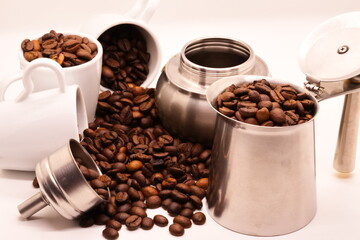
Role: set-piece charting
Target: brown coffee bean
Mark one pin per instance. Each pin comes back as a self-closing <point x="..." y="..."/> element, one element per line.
<point x="174" y="208"/>
<point x="35" y="183"/>
<point x="289" y="104"/>
<point x="254" y="96"/>
<point x="196" y="201"/>
<point x="203" y="183"/>
<point x="186" y="212"/>
<point x="160" y="220"/>
<point x="149" y="191"/>
<point x="197" y="191"/>
<point x="138" y="211"/>
<point x="179" y="196"/>
<point x="262" y="115"/>
<point x="121" y="217"/>
<point x="183" y="221"/>
<point x="198" y="218"/>
<point x="153" y="201"/>
<point x="86" y="221"/>
<point x="267" y="104"/>
<point x="226" y="111"/>
<point x="133" y="222"/>
<point x="110" y="233"/>
<point x="277" y="115"/>
<point x="184" y="188"/>
<point x="227" y="96"/>
<point x="101" y="219"/>
<point x="122" y="197"/>
<point x="134" y="165"/>
<point x="176" y="229"/>
<point x="114" y="224"/>
<point x="147" y="223"/>
<point x="247" y="112"/>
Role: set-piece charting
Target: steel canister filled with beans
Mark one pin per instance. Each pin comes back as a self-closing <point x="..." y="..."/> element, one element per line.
<point x="262" y="175"/>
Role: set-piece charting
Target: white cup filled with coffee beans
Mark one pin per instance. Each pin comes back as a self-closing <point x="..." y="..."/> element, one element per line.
<point x="79" y="55"/>
<point x="37" y="123"/>
<point x="132" y="54"/>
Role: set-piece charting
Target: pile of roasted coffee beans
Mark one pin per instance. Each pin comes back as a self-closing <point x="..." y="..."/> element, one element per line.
<point x="147" y="167"/>
<point x="67" y="50"/>
<point x="97" y="181"/>
<point x="125" y="58"/>
<point x="266" y="104"/>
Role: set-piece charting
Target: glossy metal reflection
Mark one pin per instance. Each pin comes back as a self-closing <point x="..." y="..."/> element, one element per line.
<point x="262" y="179"/>
<point x="62" y="185"/>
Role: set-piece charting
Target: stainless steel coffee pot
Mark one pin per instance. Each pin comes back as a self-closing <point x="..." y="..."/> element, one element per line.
<point x="262" y="179"/>
<point x="180" y="90"/>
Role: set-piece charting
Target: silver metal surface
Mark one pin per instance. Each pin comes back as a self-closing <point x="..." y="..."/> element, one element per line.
<point x="181" y="88"/>
<point x="262" y="179"/>
<point x="345" y="154"/>
<point x="330" y="57"/>
<point x="62" y="185"/>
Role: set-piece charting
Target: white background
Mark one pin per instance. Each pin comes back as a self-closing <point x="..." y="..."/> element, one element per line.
<point x="274" y="29"/>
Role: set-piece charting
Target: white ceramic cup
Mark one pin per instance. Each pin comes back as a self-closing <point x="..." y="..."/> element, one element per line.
<point x="35" y="124"/>
<point x="137" y="17"/>
<point x="86" y="75"/>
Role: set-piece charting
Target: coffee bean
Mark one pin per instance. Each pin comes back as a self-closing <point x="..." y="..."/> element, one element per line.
<point x="179" y="196"/>
<point x="110" y="233"/>
<point x="186" y="212"/>
<point x="160" y="220"/>
<point x="133" y="222"/>
<point x="277" y="115"/>
<point x="174" y="208"/>
<point x="86" y="221"/>
<point x="262" y="115"/>
<point x="153" y="201"/>
<point x="183" y="221"/>
<point x="114" y="224"/>
<point x="196" y="201"/>
<point x="198" y="218"/>
<point x="197" y="191"/>
<point x="121" y="217"/>
<point x="203" y="183"/>
<point x="176" y="229"/>
<point x="134" y="165"/>
<point x="147" y="223"/>
<point x="138" y="211"/>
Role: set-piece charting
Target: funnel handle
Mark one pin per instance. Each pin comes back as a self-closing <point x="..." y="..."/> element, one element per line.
<point x="32" y="205"/>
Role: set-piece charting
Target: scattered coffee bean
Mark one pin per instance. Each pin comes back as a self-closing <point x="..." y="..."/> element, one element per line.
<point x="176" y="229"/>
<point x="67" y="50"/>
<point x="110" y="233"/>
<point x="114" y="224"/>
<point x="147" y="223"/>
<point x="263" y="103"/>
<point x="160" y="220"/>
<point x="198" y="218"/>
<point x="133" y="222"/>
<point x="183" y="221"/>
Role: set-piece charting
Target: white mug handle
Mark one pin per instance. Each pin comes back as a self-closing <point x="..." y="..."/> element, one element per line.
<point x="27" y="81"/>
<point x="6" y="82"/>
<point x="143" y="9"/>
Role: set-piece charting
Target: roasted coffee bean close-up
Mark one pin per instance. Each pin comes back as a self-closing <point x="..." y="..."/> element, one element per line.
<point x="125" y="59"/>
<point x="266" y="104"/>
<point x="143" y="166"/>
<point x="67" y="50"/>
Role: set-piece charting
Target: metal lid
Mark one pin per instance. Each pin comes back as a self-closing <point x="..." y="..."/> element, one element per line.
<point x="331" y="52"/>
